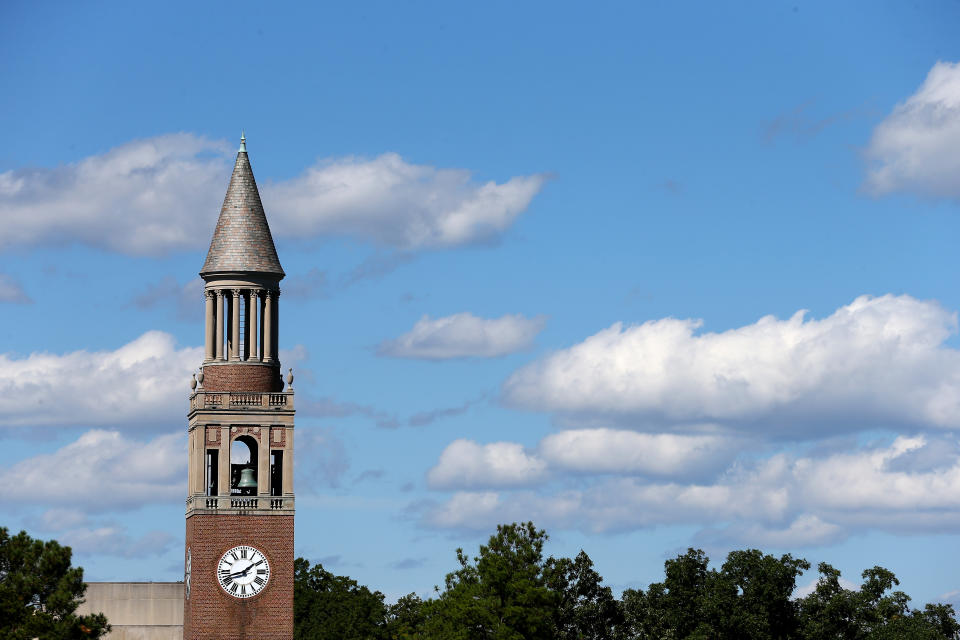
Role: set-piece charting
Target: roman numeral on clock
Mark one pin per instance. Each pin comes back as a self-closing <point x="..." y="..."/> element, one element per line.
<point x="259" y="581"/>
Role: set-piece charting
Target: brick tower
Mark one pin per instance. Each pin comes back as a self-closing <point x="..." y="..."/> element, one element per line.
<point x="239" y="540"/>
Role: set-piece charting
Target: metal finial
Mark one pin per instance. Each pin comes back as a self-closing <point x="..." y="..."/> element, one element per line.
<point x="243" y="142"/>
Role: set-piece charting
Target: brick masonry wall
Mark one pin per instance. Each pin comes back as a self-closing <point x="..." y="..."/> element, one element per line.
<point x="210" y="613"/>
<point x="242" y="377"/>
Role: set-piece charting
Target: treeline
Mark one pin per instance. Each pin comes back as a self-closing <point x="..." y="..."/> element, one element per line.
<point x="510" y="591"/>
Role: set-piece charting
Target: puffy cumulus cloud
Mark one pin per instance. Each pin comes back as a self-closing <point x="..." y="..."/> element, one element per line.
<point x="916" y="147"/>
<point x="140" y="198"/>
<point x="782" y="501"/>
<point x="465" y="463"/>
<point x="141" y="384"/>
<point x="629" y="452"/>
<point x="161" y="194"/>
<point x="806" y="530"/>
<point x="397" y="204"/>
<point x="11" y="291"/>
<point x="84" y="475"/>
<point x="464" y="335"/>
<point x="876" y="361"/>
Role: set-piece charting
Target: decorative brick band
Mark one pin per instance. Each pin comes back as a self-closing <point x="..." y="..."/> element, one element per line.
<point x="263" y="378"/>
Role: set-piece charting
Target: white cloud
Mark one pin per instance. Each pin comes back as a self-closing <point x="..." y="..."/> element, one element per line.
<point x="876" y="361"/>
<point x="397" y="204"/>
<point x="805" y="530"/>
<point x="465" y="463"/>
<point x="141" y="384"/>
<point x="144" y="198"/>
<point x="617" y="451"/>
<point x="161" y="194"/>
<point x="11" y="291"/>
<point x="783" y="501"/>
<point x="917" y="147"/>
<point x="464" y="335"/>
<point x="100" y="471"/>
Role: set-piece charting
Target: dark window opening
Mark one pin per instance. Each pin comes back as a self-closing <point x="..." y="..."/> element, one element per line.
<point x="276" y="473"/>
<point x="213" y="471"/>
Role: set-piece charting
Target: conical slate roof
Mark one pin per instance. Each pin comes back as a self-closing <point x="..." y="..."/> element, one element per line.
<point x="242" y="239"/>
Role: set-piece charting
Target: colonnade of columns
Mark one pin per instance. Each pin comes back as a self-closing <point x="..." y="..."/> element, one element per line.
<point x="224" y="341"/>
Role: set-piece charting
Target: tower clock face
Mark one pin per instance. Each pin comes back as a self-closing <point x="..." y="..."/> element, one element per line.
<point x="243" y="571"/>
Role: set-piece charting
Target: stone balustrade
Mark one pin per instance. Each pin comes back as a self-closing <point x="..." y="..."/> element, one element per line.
<point x="238" y="503"/>
<point x="236" y="400"/>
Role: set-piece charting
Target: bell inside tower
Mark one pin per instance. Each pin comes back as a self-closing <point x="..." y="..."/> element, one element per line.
<point x="243" y="466"/>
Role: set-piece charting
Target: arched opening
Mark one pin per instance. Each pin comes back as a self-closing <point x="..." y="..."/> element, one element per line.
<point x="243" y="467"/>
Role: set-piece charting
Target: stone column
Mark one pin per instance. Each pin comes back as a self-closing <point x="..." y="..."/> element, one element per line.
<point x="254" y="351"/>
<point x="245" y="355"/>
<point x="275" y="338"/>
<point x="288" y="463"/>
<point x="210" y="325"/>
<point x="223" y="481"/>
<point x="268" y="327"/>
<point x="263" y="462"/>
<point x="235" y="327"/>
<point x="220" y="320"/>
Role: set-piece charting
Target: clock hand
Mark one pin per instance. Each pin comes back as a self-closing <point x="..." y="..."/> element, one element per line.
<point x="244" y="572"/>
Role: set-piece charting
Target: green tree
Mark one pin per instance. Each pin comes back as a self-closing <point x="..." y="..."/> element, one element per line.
<point x="40" y="592"/>
<point x="873" y="612"/>
<point x="748" y="598"/>
<point x="586" y="610"/>
<point x="757" y="592"/>
<point x="674" y="608"/>
<point x="331" y="607"/>
<point x="500" y="594"/>
<point x="406" y="618"/>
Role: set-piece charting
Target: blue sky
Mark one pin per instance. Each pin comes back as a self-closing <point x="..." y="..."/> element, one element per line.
<point x="544" y="262"/>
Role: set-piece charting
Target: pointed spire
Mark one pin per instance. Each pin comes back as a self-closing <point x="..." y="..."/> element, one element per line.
<point x="243" y="143"/>
<point x="242" y="241"/>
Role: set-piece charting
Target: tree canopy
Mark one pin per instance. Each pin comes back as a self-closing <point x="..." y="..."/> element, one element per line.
<point x="510" y="590"/>
<point x="40" y="592"/>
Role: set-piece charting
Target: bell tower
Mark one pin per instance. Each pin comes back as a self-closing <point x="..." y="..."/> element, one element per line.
<point x="238" y="560"/>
